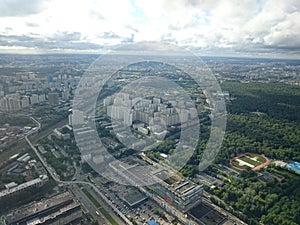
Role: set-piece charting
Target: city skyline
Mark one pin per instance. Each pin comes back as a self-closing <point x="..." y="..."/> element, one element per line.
<point x="163" y="112"/>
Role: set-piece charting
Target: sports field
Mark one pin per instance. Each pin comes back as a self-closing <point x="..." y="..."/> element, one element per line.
<point x="249" y="160"/>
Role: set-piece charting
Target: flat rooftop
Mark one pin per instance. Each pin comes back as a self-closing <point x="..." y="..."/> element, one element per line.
<point x="23" y="212"/>
<point x="133" y="198"/>
<point x="23" y="186"/>
<point x="51" y="216"/>
<point x="205" y="214"/>
<point x="138" y="171"/>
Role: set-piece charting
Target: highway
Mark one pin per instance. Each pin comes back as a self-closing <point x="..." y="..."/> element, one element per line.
<point x="88" y="206"/>
<point x="96" y="190"/>
<point x="53" y="174"/>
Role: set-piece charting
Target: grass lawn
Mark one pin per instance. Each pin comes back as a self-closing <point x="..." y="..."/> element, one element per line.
<point x="247" y="159"/>
<point x="236" y="164"/>
<point x="258" y="157"/>
<point x="250" y="161"/>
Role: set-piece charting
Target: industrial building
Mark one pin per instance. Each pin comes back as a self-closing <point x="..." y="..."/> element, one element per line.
<point x="38" y="182"/>
<point x="60" y="209"/>
<point x="175" y="194"/>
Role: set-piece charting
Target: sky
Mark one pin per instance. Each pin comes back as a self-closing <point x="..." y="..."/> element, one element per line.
<point x="259" y="28"/>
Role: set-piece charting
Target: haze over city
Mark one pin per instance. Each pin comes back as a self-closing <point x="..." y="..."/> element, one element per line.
<point x="139" y="112"/>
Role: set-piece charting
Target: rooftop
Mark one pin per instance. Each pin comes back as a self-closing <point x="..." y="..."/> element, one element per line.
<point x="138" y="171"/>
<point x="23" y="186"/>
<point x="38" y="207"/>
<point x="152" y="222"/>
<point x="135" y="197"/>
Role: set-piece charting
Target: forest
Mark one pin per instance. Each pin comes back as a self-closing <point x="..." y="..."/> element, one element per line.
<point x="270" y="202"/>
<point x="265" y="119"/>
<point x="277" y="100"/>
<point x="262" y="118"/>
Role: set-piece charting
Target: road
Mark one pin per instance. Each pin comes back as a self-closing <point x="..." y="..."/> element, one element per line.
<point x="88" y="206"/>
<point x="49" y="130"/>
<point x="101" y="197"/>
<point x="18" y="146"/>
<point x="57" y="179"/>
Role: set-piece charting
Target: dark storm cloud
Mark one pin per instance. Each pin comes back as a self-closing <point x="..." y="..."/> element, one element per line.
<point x="15" y="8"/>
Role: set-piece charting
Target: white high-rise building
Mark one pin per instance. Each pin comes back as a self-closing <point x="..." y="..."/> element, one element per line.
<point x="4" y="104"/>
<point x="66" y="94"/>
<point x="128" y="117"/>
<point x="34" y="99"/>
<point x="53" y="98"/>
<point x="70" y="119"/>
<point x="25" y="101"/>
<point x="156" y="100"/>
<point x="42" y="98"/>
<point x="108" y="101"/>
<point x="76" y="118"/>
<point x="14" y="103"/>
<point x="116" y="112"/>
<point x="184" y="115"/>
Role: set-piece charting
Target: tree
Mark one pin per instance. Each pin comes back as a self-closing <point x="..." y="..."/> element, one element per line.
<point x="95" y="222"/>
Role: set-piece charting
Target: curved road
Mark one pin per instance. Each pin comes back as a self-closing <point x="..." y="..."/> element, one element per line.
<point x="57" y="179"/>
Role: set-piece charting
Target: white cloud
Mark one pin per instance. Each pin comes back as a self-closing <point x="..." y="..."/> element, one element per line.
<point x="16" y="8"/>
<point x="207" y="25"/>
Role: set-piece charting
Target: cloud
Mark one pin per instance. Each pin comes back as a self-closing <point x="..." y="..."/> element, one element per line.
<point x="200" y="25"/>
<point x="65" y="37"/>
<point x="59" y="41"/>
<point x="13" y="8"/>
<point x="237" y="24"/>
<point x="29" y="24"/>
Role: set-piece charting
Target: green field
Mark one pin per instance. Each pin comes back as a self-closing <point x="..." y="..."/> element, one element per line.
<point x="248" y="159"/>
<point x="101" y="209"/>
<point x="236" y="164"/>
<point x="258" y="157"/>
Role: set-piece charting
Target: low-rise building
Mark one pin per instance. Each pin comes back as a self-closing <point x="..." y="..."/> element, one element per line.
<point x="172" y="192"/>
<point x="38" y="182"/>
<point x="60" y="209"/>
